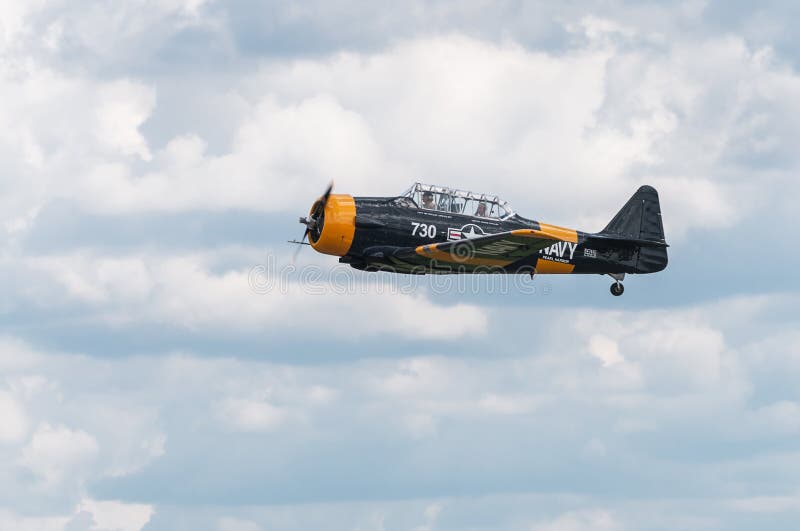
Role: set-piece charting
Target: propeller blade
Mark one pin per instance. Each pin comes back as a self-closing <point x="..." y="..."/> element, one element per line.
<point x="299" y="246"/>
<point x="327" y="193"/>
<point x="312" y="220"/>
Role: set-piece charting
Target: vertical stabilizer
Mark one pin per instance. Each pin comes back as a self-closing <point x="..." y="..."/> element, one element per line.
<point x="640" y="219"/>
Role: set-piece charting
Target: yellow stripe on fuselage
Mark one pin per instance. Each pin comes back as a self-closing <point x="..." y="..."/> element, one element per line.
<point x="550" y="267"/>
<point x="549" y="232"/>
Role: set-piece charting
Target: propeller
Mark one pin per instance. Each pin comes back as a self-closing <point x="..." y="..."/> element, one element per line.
<point x="314" y="221"/>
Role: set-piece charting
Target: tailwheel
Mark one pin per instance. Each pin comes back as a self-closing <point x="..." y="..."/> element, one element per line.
<point x="617" y="289"/>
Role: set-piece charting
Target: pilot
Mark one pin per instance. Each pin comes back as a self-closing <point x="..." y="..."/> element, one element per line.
<point x="481" y="210"/>
<point x="427" y="201"/>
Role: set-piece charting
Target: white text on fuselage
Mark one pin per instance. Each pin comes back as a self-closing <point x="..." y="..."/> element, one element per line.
<point x="559" y="250"/>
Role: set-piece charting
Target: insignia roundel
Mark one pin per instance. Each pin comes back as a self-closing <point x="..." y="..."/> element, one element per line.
<point x="470" y="230"/>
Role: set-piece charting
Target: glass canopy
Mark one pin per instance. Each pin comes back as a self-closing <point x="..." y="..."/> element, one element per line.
<point x="446" y="199"/>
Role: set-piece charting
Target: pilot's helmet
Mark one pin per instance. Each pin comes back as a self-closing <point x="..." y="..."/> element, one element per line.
<point x="427" y="196"/>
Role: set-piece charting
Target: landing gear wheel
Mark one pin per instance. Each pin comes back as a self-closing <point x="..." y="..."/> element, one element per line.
<point x="617" y="289"/>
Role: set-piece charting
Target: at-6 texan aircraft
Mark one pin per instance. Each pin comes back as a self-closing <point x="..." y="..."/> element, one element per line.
<point x="434" y="229"/>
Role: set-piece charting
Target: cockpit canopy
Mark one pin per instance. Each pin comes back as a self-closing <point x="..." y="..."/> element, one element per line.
<point x="457" y="201"/>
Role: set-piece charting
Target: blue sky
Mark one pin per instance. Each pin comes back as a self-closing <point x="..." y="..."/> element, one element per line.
<point x="155" y="154"/>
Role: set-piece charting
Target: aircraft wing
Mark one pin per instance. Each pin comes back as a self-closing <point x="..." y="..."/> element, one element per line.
<point x="492" y="250"/>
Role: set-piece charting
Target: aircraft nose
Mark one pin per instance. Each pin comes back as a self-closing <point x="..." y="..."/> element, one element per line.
<point x="335" y="226"/>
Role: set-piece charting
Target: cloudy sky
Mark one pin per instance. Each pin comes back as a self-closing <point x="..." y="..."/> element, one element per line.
<point x="163" y="367"/>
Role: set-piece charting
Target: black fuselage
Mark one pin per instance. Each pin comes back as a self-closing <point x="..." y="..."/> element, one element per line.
<point x="384" y="224"/>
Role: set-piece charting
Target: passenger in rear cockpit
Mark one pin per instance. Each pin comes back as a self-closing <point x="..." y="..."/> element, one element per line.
<point x="481" y="210"/>
<point x="427" y="201"/>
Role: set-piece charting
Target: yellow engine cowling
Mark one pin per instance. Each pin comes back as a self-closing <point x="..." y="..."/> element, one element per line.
<point x="336" y="226"/>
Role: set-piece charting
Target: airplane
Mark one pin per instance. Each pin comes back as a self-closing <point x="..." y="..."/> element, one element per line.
<point x="438" y="230"/>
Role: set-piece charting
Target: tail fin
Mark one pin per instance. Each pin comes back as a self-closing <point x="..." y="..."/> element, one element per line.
<point x="640" y="219"/>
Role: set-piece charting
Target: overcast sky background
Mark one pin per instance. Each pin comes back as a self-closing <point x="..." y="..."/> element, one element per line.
<point x="152" y="153"/>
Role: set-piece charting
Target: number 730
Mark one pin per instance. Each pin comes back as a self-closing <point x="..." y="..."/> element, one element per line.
<point x="423" y="230"/>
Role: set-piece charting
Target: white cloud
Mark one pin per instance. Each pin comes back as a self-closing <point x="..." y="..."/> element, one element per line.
<point x="237" y="524"/>
<point x="122" y="107"/>
<point x="63" y="131"/>
<point x="97" y="32"/>
<point x="56" y="452"/>
<point x="565" y="135"/>
<point x="594" y="122"/>
<point x="14" y="20"/>
<point x="580" y="407"/>
<point x="767" y="504"/>
<point x="116" y="516"/>
<point x="89" y="515"/>
<point x="783" y="416"/>
<point x="61" y="428"/>
<point x="597" y="121"/>
<point x="681" y="352"/>
<point x="15" y="354"/>
<point x="11" y="520"/>
<point x="184" y="292"/>
<point x="588" y="520"/>
<point x="130" y="435"/>
<point x="431" y="514"/>
<point x="13" y="421"/>
<point x="417" y="376"/>
<point x="279" y="154"/>
<point x="507" y="404"/>
<point x="250" y="415"/>
<point x="605" y="349"/>
<point x="321" y="394"/>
